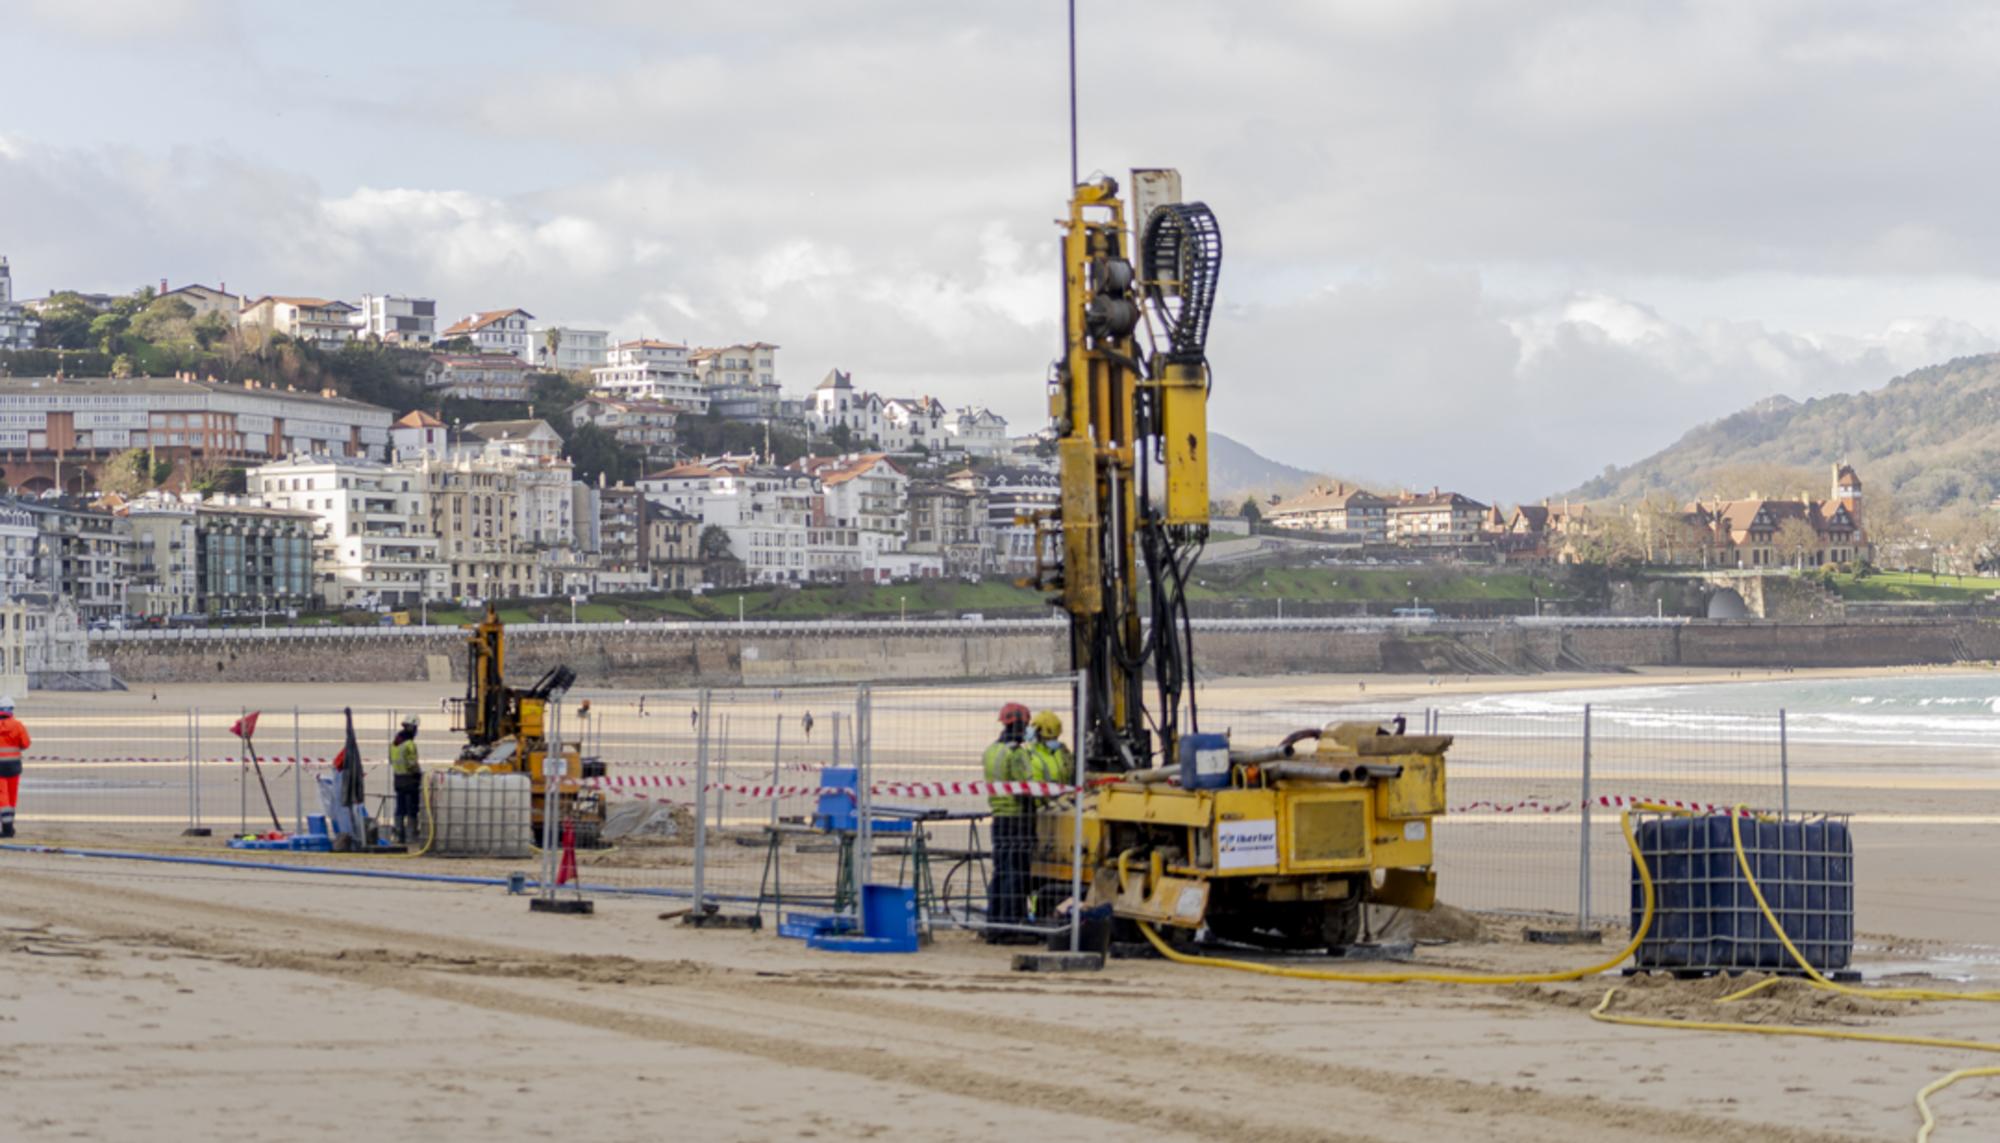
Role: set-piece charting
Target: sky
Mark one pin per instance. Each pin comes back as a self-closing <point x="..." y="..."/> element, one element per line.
<point x="1493" y="247"/>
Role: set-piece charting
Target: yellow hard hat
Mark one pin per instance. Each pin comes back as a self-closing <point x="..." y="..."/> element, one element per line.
<point x="1048" y="724"/>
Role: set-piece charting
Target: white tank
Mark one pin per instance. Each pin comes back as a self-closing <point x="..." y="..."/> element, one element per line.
<point x="480" y="815"/>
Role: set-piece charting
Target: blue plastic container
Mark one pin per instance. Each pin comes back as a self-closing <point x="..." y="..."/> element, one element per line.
<point x="835" y="809"/>
<point x="1204" y="761"/>
<point x="1705" y="916"/>
<point x="888" y="924"/>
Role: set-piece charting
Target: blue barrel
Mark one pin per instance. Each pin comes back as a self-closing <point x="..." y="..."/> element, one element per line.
<point x="1705" y="916"/>
<point x="1204" y="761"/>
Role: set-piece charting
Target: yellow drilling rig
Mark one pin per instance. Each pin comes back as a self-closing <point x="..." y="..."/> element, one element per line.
<point x="507" y="731"/>
<point x="1280" y="845"/>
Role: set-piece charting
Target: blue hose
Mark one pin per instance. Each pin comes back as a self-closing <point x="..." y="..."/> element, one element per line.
<point x="385" y="874"/>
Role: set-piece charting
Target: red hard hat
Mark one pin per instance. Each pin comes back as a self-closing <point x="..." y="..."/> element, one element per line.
<point x="1014" y="713"/>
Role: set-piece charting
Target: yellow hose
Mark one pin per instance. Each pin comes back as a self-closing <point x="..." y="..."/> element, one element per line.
<point x="1813" y="974"/>
<point x="1638" y="935"/>
<point x="1938" y="1085"/>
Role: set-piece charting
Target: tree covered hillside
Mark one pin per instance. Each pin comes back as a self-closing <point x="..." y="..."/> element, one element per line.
<point x="1930" y="438"/>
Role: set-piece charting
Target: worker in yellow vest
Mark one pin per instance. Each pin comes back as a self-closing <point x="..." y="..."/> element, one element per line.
<point x="1013" y="825"/>
<point x="408" y="775"/>
<point x="1048" y="759"/>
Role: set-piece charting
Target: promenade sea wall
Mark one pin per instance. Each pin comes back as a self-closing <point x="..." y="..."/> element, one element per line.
<point x="672" y="655"/>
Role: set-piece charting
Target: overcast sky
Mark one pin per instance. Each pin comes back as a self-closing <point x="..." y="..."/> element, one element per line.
<point x="1492" y="247"/>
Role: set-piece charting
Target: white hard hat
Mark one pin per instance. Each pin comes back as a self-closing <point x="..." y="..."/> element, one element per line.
<point x="409" y="720"/>
<point x="6" y="702"/>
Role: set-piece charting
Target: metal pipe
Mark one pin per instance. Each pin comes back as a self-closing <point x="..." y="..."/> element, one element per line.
<point x="1332" y="772"/>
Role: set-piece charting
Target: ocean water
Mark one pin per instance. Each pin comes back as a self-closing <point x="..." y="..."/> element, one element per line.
<point x="1920" y="710"/>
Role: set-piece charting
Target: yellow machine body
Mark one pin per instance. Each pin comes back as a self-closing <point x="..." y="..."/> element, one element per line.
<point x="507" y="729"/>
<point x="1267" y="844"/>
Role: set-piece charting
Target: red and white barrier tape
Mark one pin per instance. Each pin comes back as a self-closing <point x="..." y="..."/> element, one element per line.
<point x="268" y="760"/>
<point x="623" y="784"/>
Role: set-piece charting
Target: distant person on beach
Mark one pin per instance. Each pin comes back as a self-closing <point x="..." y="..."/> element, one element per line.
<point x="14" y="742"/>
<point x="806" y="724"/>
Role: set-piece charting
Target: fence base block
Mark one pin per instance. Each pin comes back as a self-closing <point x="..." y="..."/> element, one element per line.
<point x="572" y="906"/>
<point x="1058" y="962"/>
<point x="1564" y="936"/>
<point x="198" y="831"/>
<point x="702" y="920"/>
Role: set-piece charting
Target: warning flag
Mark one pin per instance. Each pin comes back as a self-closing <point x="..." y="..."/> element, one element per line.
<point x="246" y="726"/>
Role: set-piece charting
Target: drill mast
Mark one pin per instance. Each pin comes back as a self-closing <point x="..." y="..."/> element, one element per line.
<point x="1130" y="413"/>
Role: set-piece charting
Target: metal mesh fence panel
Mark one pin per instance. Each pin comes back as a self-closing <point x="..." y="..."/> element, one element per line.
<point x="977" y="855"/>
<point x="776" y="815"/>
<point x="1680" y="757"/>
<point x="1510" y="839"/>
<point x="120" y="769"/>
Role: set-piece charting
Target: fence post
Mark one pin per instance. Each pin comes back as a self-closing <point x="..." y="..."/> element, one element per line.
<point x="242" y="779"/>
<point x="701" y="804"/>
<point x="1583" y="842"/>
<point x="721" y="762"/>
<point x="1082" y="716"/>
<point x="864" y="777"/>
<point x="1784" y="766"/>
<point x="554" y="769"/>
<point x="777" y="752"/>
<point x="298" y="774"/>
<point x="193" y="819"/>
<point x="194" y="760"/>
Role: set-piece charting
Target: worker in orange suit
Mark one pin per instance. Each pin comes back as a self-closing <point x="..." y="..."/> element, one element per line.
<point x="13" y="743"/>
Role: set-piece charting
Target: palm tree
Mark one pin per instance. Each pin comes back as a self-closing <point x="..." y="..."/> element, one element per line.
<point x="551" y="345"/>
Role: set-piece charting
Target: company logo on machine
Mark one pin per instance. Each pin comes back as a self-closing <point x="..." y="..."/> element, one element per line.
<point x="1414" y="831"/>
<point x="1246" y="845"/>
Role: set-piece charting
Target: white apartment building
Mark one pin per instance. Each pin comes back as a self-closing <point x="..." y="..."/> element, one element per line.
<point x="1012" y="493"/>
<point x="18" y="326"/>
<point x="976" y="432"/>
<point x="861" y="517"/>
<point x="645" y="425"/>
<point x="577" y="350"/>
<point x="163" y="567"/>
<point x="372" y="538"/>
<point x="477" y="514"/>
<point x="651" y="370"/>
<point x="318" y="320"/>
<point x="417" y="435"/>
<point x="205" y="300"/>
<point x="835" y="401"/>
<point x="397" y="320"/>
<point x="478" y="376"/>
<point x="903" y="424"/>
<point x="766" y="512"/>
<point x="18" y="537"/>
<point x="532" y="439"/>
<point x="909" y="423"/>
<point x="741" y="380"/>
<point x="495" y="331"/>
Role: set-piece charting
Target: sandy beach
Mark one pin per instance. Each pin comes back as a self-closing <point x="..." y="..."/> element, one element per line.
<point x="157" y="1001"/>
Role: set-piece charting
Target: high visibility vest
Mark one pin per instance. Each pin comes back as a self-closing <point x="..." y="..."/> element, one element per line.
<point x="403" y="757"/>
<point x="13" y="740"/>
<point x="1005" y="763"/>
<point x="1050" y="762"/>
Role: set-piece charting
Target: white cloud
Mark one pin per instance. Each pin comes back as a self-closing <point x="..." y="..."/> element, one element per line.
<point x="1494" y="245"/>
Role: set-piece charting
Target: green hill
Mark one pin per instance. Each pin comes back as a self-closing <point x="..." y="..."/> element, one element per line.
<point x="1931" y="437"/>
